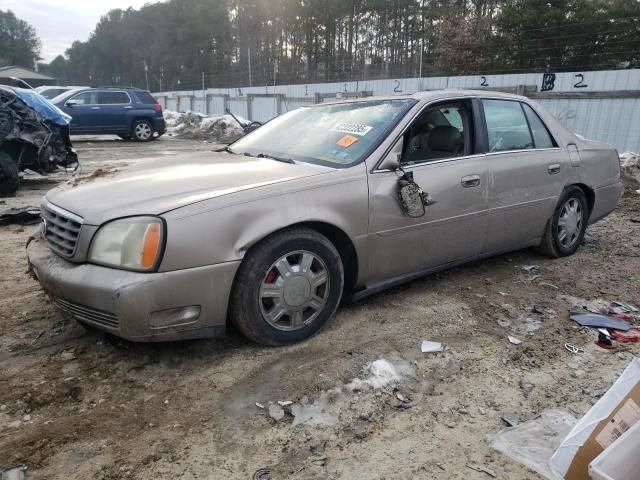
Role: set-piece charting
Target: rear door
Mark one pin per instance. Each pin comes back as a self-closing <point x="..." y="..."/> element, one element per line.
<point x="114" y="106"/>
<point x="527" y="173"/>
<point x="440" y="151"/>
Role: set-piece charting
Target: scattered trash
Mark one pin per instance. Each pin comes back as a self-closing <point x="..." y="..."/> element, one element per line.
<point x="620" y="460"/>
<point x="284" y="403"/>
<point x="533" y="443"/>
<point x="487" y="350"/>
<point x="615" y="413"/>
<point x="514" y="340"/>
<point x="635" y="220"/>
<point x="276" y="412"/>
<point x="404" y="406"/>
<point x="15" y="472"/>
<point x="510" y="418"/>
<point x="481" y="468"/>
<point x="401" y="397"/>
<point x="259" y="405"/>
<point x="431" y="347"/>
<point x="573" y="348"/>
<point x="262" y="474"/>
<point x="20" y="216"/>
<point x="627" y="307"/>
<point x="530" y="268"/>
<point x="537" y="309"/>
<point x="469" y="350"/>
<point x="630" y="336"/>
<point x="596" y="320"/>
<point x="550" y="285"/>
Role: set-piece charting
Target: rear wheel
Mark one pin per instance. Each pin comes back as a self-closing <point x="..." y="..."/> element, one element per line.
<point x="287" y="287"/>
<point x="9" y="178"/>
<point x="142" y="131"/>
<point x="565" y="229"/>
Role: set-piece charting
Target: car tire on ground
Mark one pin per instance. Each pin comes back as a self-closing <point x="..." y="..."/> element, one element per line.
<point x="287" y="287"/>
<point x="142" y="131"/>
<point x="9" y="178"/>
<point x="565" y="229"/>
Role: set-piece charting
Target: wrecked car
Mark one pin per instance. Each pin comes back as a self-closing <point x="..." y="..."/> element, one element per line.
<point x="34" y="134"/>
<point x="324" y="203"/>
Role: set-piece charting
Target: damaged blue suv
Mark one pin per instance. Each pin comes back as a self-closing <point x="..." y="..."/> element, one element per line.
<point x="130" y="113"/>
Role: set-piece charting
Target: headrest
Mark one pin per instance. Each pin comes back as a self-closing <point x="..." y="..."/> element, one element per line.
<point x="445" y="139"/>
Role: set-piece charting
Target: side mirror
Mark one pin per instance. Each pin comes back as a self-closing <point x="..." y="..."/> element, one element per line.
<point x="70" y="103"/>
<point x="413" y="199"/>
<point x="392" y="160"/>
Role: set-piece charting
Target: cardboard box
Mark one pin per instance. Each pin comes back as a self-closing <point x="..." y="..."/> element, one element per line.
<point x="615" y="413"/>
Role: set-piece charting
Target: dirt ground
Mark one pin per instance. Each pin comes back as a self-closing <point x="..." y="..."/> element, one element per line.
<point x="79" y="404"/>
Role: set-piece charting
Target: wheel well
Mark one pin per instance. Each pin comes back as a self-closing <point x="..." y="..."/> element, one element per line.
<point x="590" y="194"/>
<point x="135" y="119"/>
<point x="345" y="248"/>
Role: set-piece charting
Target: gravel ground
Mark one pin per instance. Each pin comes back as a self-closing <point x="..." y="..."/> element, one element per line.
<point x="78" y="404"/>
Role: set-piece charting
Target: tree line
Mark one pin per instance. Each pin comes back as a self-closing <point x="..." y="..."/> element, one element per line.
<point x="188" y="44"/>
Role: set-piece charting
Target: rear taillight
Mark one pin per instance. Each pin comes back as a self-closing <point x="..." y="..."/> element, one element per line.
<point x="157" y="107"/>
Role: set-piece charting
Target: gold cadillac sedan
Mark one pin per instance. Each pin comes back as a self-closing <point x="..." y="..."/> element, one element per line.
<point x="324" y="203"/>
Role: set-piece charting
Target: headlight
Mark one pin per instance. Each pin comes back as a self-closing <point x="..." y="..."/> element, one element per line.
<point x="131" y="243"/>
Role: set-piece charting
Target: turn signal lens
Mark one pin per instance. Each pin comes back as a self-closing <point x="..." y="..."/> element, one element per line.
<point x="150" y="246"/>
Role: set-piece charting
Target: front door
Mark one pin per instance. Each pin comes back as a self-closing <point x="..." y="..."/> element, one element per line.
<point x="439" y="149"/>
<point x="528" y="173"/>
<point x="83" y="109"/>
<point x="114" y="106"/>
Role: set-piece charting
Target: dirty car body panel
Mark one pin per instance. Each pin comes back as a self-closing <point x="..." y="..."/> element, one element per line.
<point x="217" y="209"/>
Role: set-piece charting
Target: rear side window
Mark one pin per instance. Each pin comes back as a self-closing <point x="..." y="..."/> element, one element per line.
<point x="113" y="98"/>
<point x="145" y="98"/>
<point x="541" y="136"/>
<point x="507" y="127"/>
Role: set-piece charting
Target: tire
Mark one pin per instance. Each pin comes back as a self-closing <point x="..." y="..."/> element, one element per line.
<point x="570" y="217"/>
<point x="142" y="131"/>
<point x="278" y="305"/>
<point x="9" y="178"/>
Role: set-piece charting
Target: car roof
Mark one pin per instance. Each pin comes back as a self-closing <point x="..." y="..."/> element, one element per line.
<point x="434" y="95"/>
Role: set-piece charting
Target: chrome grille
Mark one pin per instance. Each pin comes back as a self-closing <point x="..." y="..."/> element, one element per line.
<point x="61" y="229"/>
<point x="87" y="314"/>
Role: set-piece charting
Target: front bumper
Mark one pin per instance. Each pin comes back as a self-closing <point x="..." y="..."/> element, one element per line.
<point x="122" y="302"/>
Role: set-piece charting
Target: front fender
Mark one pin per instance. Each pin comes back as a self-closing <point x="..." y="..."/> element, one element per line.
<point x="223" y="229"/>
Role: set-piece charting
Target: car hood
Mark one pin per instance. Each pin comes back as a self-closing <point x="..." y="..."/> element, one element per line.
<point x="160" y="185"/>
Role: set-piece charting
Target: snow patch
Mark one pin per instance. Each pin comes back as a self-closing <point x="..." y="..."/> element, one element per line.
<point x="630" y="166"/>
<point x="218" y="129"/>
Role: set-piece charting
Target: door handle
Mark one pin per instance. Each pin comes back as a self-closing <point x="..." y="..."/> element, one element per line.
<point x="469" y="181"/>
<point x="553" y="169"/>
<point x="128" y="108"/>
<point x="95" y="108"/>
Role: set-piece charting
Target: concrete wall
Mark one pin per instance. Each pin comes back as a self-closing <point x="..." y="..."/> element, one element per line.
<point x="601" y="105"/>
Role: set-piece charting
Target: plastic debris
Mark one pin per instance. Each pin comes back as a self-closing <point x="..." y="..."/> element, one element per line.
<point x="487" y="350"/>
<point x="284" y="403"/>
<point x="630" y="336"/>
<point x="514" y="340"/>
<point x="276" y="412"/>
<point x="15" y="472"/>
<point x="20" y="216"/>
<point x="595" y="320"/>
<point x="259" y="405"/>
<point x="404" y="406"/>
<point x="532" y="443"/>
<point x="535" y="308"/>
<point x="431" y="347"/>
<point x="510" y="418"/>
<point x="482" y="469"/>
<point x="573" y="348"/>
<point x="530" y="268"/>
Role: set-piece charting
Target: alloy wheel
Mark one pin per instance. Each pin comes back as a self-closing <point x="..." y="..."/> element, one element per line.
<point x="570" y="223"/>
<point x="294" y="290"/>
<point x="143" y="131"/>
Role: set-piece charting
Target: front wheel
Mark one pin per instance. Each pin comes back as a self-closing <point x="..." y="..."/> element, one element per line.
<point x="9" y="177"/>
<point x="142" y="131"/>
<point x="565" y="229"/>
<point x="287" y="287"/>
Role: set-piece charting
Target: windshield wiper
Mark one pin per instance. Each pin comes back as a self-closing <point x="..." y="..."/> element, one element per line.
<point x="279" y="159"/>
<point x="226" y="148"/>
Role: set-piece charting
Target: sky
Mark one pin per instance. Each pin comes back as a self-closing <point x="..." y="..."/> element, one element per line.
<point x="59" y="23"/>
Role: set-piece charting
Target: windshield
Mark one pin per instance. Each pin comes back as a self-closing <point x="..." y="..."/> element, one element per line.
<point x="338" y="135"/>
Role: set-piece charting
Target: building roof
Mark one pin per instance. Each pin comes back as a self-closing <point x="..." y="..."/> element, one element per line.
<point x="22" y="72"/>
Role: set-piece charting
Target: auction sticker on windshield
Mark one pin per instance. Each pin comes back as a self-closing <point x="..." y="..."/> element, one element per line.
<point x="347" y="141"/>
<point x="352" y="128"/>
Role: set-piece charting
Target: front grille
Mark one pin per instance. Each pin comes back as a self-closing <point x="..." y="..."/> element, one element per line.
<point x="61" y="229"/>
<point x="87" y="314"/>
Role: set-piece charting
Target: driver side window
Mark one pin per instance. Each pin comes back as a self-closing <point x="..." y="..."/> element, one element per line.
<point x="438" y="133"/>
